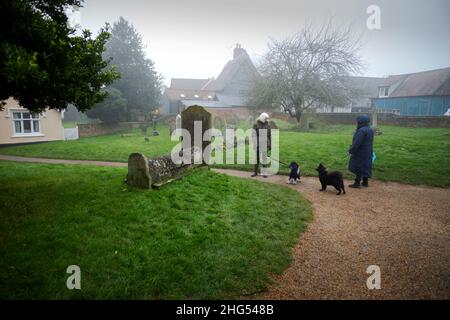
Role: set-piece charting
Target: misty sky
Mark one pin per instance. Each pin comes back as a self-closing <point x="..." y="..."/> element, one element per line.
<point x="195" y="38"/>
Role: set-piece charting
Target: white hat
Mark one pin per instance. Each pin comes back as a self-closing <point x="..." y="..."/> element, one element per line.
<point x="263" y="117"/>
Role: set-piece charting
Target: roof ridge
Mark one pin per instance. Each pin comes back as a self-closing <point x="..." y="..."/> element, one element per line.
<point x="401" y="81"/>
<point x="189" y="78"/>
<point x="207" y="83"/>
<point x="412" y="73"/>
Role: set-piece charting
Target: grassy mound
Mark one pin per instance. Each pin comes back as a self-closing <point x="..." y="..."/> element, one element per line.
<point x="205" y="236"/>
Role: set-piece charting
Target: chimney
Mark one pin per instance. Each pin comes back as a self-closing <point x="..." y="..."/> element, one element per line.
<point x="238" y="51"/>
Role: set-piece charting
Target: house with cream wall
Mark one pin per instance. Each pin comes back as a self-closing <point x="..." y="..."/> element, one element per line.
<point x="18" y="125"/>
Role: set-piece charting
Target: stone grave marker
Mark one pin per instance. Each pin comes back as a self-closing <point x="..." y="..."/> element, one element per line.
<point x="145" y="173"/>
<point x="188" y="118"/>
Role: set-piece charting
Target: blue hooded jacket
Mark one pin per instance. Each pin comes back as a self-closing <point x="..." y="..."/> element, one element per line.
<point x="361" y="149"/>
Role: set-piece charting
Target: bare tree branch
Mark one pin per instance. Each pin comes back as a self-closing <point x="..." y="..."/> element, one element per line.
<point x="308" y="69"/>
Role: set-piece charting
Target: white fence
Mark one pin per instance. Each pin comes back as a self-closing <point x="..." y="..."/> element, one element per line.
<point x="71" y="133"/>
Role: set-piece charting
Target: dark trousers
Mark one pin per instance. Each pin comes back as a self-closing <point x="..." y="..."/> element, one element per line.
<point x="258" y="160"/>
<point x="358" y="179"/>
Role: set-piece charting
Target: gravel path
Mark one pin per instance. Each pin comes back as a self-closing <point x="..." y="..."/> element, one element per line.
<point x="403" y="229"/>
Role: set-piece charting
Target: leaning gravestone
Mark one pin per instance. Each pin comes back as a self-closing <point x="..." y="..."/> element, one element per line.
<point x="138" y="171"/>
<point x="146" y="173"/>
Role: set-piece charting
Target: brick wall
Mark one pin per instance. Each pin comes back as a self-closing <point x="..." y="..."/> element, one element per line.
<point x="388" y="119"/>
<point x="98" y="129"/>
<point x="229" y="113"/>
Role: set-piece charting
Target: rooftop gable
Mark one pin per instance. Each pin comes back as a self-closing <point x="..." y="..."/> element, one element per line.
<point x="426" y="83"/>
<point x="187" y="84"/>
<point x="241" y="63"/>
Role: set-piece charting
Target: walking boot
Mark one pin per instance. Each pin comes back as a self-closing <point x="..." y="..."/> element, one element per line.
<point x="256" y="172"/>
<point x="356" y="184"/>
<point x="264" y="172"/>
<point x="365" y="182"/>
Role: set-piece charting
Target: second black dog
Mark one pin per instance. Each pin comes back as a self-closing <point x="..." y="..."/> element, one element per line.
<point x="294" y="174"/>
<point x="334" y="179"/>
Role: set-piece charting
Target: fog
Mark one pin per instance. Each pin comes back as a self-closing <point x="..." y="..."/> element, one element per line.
<point x="195" y="38"/>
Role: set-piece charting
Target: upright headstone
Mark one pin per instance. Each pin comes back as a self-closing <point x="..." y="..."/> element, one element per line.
<point x="178" y="122"/>
<point x="189" y="117"/>
<point x="374" y="117"/>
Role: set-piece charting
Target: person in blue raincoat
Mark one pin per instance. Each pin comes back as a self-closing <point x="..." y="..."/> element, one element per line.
<point x="361" y="152"/>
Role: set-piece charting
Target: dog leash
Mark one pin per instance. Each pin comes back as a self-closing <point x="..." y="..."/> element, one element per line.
<point x="279" y="161"/>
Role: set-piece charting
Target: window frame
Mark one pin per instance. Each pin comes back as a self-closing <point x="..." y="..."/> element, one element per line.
<point x="385" y="90"/>
<point x="38" y="117"/>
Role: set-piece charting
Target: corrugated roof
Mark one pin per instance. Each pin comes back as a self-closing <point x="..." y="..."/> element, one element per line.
<point x="427" y="83"/>
<point x="231" y="100"/>
<point x="187" y="84"/>
<point x="366" y="86"/>
<point x="175" y="94"/>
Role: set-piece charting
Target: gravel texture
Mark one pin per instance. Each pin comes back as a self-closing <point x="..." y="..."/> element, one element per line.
<point x="403" y="229"/>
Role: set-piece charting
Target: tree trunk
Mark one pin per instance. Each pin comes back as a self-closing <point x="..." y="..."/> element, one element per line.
<point x="297" y="115"/>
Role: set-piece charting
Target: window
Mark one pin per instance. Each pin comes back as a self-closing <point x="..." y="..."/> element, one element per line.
<point x="383" y="92"/>
<point x="26" y="123"/>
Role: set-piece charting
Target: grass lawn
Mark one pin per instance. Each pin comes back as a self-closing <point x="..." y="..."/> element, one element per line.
<point x="408" y="155"/>
<point x="69" y="124"/>
<point x="201" y="237"/>
<point x="114" y="147"/>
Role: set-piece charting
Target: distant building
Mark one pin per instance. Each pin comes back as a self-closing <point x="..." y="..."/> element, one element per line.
<point x="416" y="94"/>
<point x="364" y="89"/>
<point x="18" y="125"/>
<point x="423" y="93"/>
<point x="228" y="91"/>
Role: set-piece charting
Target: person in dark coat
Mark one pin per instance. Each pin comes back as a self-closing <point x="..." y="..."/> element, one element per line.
<point x="361" y="152"/>
<point x="258" y="140"/>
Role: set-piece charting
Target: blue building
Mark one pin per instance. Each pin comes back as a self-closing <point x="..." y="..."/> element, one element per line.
<point x="417" y="94"/>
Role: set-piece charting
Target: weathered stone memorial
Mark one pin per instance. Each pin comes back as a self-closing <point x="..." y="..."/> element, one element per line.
<point x="146" y="173"/>
<point x="189" y="117"/>
<point x="178" y="121"/>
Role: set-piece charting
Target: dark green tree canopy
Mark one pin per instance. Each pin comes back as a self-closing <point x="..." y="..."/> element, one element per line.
<point x="140" y="84"/>
<point x="43" y="63"/>
<point x="112" y="109"/>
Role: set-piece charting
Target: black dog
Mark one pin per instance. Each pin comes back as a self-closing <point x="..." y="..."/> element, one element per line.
<point x="334" y="179"/>
<point x="294" y="175"/>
